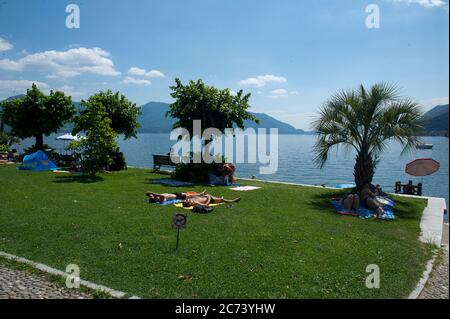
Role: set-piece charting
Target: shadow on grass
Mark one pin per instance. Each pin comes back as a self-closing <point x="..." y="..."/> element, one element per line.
<point x="322" y="201"/>
<point x="83" y="179"/>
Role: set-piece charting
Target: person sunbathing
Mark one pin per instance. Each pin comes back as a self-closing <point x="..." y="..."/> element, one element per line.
<point x="369" y="198"/>
<point x="350" y="201"/>
<point x="207" y="199"/>
<point x="161" y="198"/>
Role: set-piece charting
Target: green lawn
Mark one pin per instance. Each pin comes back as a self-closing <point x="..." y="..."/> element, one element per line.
<point x="280" y="241"/>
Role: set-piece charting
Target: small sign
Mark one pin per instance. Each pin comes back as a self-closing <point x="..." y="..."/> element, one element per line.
<point x="179" y="221"/>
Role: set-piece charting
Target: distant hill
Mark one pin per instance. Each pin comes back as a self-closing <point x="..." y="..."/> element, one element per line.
<point x="153" y="120"/>
<point x="436" y="121"/>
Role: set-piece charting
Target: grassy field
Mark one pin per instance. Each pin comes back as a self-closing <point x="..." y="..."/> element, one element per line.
<point x="280" y="241"/>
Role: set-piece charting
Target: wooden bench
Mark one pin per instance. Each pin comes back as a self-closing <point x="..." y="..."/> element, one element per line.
<point x="408" y="189"/>
<point x="162" y="160"/>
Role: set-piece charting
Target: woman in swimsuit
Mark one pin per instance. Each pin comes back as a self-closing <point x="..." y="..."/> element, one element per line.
<point x="207" y="199"/>
<point x="369" y="198"/>
<point x="160" y="198"/>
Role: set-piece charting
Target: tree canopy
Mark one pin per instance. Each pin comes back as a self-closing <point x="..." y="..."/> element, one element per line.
<point x="214" y="107"/>
<point x="122" y="112"/>
<point x="37" y="114"/>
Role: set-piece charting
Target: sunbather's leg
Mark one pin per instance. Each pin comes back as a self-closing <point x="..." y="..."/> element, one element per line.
<point x="356" y="202"/>
<point x="348" y="202"/>
<point x="217" y="200"/>
<point x="374" y="205"/>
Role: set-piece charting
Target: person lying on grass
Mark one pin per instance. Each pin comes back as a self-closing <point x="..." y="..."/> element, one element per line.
<point x="160" y="198"/>
<point x="207" y="199"/>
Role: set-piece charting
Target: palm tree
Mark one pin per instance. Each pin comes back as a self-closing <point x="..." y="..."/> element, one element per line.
<point x="365" y="120"/>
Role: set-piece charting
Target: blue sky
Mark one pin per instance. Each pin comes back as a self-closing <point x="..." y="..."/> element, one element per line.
<point x="291" y="55"/>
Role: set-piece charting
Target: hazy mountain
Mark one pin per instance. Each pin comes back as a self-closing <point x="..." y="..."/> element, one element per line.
<point x="436" y="121"/>
<point x="153" y="120"/>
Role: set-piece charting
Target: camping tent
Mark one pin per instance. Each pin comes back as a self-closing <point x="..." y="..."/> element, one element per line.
<point x="37" y="161"/>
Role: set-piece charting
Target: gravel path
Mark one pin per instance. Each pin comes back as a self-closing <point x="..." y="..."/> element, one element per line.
<point x="19" y="284"/>
<point x="437" y="285"/>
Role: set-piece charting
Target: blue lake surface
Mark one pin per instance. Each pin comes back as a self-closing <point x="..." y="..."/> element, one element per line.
<point x="295" y="162"/>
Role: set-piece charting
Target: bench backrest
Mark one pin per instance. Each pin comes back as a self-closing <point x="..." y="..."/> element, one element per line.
<point x="162" y="160"/>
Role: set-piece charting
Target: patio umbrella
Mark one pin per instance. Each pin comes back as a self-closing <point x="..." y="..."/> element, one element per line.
<point x="422" y="167"/>
<point x="69" y="137"/>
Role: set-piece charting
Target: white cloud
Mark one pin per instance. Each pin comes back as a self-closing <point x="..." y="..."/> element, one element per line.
<point x="69" y="90"/>
<point x="65" y="64"/>
<point x="141" y="72"/>
<point x="281" y="93"/>
<point x="131" y="80"/>
<point x="262" y="80"/>
<point x="14" y="87"/>
<point x="426" y="3"/>
<point x="5" y="45"/>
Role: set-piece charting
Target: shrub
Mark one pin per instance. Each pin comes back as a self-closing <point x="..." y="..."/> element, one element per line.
<point x="4" y="148"/>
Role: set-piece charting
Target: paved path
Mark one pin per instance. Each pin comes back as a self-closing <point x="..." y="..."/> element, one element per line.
<point x="19" y="284"/>
<point x="437" y="285"/>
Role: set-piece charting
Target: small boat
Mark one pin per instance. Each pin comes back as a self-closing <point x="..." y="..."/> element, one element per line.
<point x="424" y="146"/>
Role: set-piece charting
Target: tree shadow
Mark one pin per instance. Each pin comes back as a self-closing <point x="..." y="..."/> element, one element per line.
<point x="322" y="201"/>
<point x="83" y="179"/>
<point x="404" y="208"/>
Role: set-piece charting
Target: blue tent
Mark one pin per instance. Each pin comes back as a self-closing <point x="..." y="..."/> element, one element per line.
<point x="37" y="161"/>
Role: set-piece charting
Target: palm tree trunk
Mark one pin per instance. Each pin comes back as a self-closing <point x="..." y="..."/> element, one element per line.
<point x="364" y="169"/>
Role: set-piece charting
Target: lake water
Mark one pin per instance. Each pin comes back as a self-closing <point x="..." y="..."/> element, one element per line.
<point x="295" y="162"/>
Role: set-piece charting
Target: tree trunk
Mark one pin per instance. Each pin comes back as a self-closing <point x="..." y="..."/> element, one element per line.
<point x="39" y="141"/>
<point x="364" y="169"/>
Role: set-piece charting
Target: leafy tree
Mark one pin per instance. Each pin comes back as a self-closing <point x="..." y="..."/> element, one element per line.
<point x="37" y="114"/>
<point x="8" y="139"/>
<point x="365" y="120"/>
<point x="214" y="107"/>
<point x="100" y="141"/>
<point x="122" y="113"/>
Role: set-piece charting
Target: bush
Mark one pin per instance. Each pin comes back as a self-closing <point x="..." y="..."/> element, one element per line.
<point x="100" y="141"/>
<point x="4" y="148"/>
<point x="118" y="161"/>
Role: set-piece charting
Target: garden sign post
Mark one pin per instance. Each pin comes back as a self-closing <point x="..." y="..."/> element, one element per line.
<point x="178" y="222"/>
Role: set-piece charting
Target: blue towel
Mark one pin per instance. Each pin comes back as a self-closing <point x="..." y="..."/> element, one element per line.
<point x="365" y="213"/>
<point x="166" y="202"/>
<point x="171" y="182"/>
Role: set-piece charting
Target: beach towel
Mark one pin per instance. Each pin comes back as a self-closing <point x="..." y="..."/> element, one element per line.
<point x="166" y="202"/>
<point x="171" y="182"/>
<point x="365" y="213"/>
<point x="244" y="188"/>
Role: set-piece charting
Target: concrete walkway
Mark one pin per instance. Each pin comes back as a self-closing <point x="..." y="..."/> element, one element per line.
<point x="437" y="285"/>
<point x="20" y="284"/>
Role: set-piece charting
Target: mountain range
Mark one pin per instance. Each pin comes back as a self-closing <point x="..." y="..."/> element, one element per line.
<point x="436" y="121"/>
<point x="153" y="120"/>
